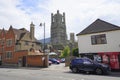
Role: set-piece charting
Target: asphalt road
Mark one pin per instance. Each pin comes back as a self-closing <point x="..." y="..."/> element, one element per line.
<point x="54" y="72"/>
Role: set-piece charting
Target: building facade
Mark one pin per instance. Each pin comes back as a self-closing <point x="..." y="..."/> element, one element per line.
<point x="100" y="41"/>
<point x="58" y="29"/>
<point x="19" y="46"/>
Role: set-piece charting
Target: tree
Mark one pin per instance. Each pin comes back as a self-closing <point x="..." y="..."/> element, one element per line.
<point x="75" y="52"/>
<point x="65" y="52"/>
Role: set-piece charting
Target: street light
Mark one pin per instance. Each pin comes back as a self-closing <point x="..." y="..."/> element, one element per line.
<point x="71" y="46"/>
<point x="43" y="24"/>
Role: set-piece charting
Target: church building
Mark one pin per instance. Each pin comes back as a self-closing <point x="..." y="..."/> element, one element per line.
<point x="58" y="30"/>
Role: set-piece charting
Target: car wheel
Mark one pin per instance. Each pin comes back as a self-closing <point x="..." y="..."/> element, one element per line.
<point x="74" y="70"/>
<point x="98" y="71"/>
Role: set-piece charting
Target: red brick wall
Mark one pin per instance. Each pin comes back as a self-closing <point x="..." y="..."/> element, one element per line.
<point x="9" y="35"/>
<point x="36" y="60"/>
<point x="2" y="37"/>
<point x="16" y="56"/>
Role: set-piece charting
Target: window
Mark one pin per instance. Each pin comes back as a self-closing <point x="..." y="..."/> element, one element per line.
<point x="1" y="42"/>
<point x="80" y="61"/>
<point x="2" y="49"/>
<point x="17" y="47"/>
<point x="9" y="42"/>
<point x="0" y="58"/>
<point x="26" y="43"/>
<point x="87" y="61"/>
<point x="8" y="55"/>
<point x="98" y="39"/>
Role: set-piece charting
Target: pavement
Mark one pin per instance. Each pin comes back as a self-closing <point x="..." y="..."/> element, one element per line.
<point x="61" y="68"/>
<point x="57" y="67"/>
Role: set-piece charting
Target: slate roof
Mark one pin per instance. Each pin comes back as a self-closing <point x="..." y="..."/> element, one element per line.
<point x="99" y="26"/>
<point x="20" y="33"/>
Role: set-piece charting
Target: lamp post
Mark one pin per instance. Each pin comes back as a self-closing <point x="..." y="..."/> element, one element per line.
<point x="71" y="46"/>
<point x="43" y="24"/>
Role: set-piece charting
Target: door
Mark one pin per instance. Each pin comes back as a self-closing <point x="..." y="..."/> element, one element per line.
<point x="79" y="63"/>
<point x="88" y="65"/>
<point x="24" y="61"/>
<point x="0" y="60"/>
<point x="119" y="59"/>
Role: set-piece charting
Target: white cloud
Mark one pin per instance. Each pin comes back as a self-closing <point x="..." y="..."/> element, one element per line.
<point x="79" y="13"/>
<point x="10" y="15"/>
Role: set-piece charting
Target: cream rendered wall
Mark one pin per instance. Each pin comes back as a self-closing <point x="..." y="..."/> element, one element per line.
<point x="31" y="42"/>
<point x="113" y="43"/>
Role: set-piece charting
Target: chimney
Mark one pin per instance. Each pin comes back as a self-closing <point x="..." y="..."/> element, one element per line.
<point x="32" y="30"/>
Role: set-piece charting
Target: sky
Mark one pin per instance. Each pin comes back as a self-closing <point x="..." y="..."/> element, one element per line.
<point x="78" y="13"/>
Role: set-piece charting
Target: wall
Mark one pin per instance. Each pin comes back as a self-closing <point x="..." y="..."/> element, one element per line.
<point x="37" y="60"/>
<point x="2" y="38"/>
<point x="11" y="48"/>
<point x="113" y="43"/>
<point x="31" y="60"/>
<point x="19" y="54"/>
<point x="15" y="58"/>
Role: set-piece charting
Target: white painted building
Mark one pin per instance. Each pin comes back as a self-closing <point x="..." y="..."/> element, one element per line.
<point x="112" y="42"/>
<point x="103" y="39"/>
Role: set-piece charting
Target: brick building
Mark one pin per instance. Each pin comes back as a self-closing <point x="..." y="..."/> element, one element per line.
<point x="20" y="47"/>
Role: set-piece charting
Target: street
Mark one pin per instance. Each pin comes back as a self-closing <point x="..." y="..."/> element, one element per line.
<point x="54" y="72"/>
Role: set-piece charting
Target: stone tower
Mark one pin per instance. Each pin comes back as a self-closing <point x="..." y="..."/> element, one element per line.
<point x="72" y="37"/>
<point x="32" y="30"/>
<point x="58" y="29"/>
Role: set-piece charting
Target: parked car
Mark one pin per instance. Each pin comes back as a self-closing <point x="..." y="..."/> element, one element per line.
<point x="49" y="63"/>
<point x="87" y="65"/>
<point x="62" y="60"/>
<point x="54" y="61"/>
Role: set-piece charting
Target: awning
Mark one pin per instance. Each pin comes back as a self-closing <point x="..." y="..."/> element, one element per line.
<point x="52" y="53"/>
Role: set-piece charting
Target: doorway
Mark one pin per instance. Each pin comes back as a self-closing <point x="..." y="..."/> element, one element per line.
<point x="24" y="61"/>
<point x="119" y="59"/>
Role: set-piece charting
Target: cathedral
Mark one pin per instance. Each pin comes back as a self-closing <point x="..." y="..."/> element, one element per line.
<point x="58" y="30"/>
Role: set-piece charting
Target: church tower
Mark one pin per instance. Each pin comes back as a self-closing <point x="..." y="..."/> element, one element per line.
<point x="32" y="30"/>
<point x="58" y="29"/>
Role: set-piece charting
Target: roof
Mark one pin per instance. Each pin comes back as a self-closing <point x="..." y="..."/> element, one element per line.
<point x="5" y="31"/>
<point x="20" y="33"/>
<point x="99" y="26"/>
